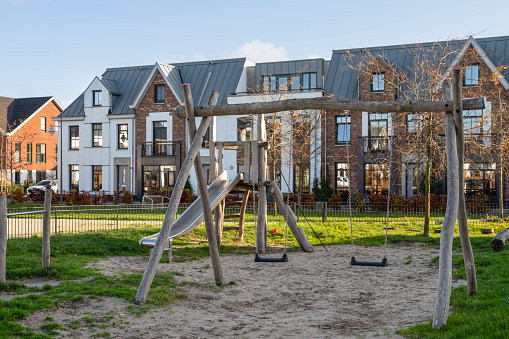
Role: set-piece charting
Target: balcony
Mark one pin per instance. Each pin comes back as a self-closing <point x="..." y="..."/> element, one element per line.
<point x="160" y="149"/>
<point x="376" y="144"/>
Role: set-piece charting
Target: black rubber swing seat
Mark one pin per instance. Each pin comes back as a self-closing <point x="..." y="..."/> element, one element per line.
<point x="284" y="258"/>
<point x="383" y="263"/>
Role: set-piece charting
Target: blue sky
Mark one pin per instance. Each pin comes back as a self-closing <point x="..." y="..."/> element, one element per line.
<point x="55" y="47"/>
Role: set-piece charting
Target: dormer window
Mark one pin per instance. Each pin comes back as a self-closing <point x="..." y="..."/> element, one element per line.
<point x="471" y="75"/>
<point x="96" y="98"/>
<point x="159" y="89"/>
<point x="378" y="82"/>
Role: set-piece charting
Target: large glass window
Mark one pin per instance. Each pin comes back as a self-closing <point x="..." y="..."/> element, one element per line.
<point x="376" y="178"/>
<point x="158" y="177"/>
<point x="29" y="152"/>
<point x="288" y="82"/>
<point x="97" y="135"/>
<point x="343" y="130"/>
<point x="40" y="175"/>
<point x="74" y="137"/>
<point x="123" y="140"/>
<point x="40" y="153"/>
<point x="473" y="122"/>
<point x="471" y="75"/>
<point x="97" y="183"/>
<point x="96" y="98"/>
<point x="159" y="92"/>
<point x="17" y="151"/>
<point x="378" y="82"/>
<point x="414" y="123"/>
<point x="159" y="137"/>
<point x="302" y="178"/>
<point x="378" y="131"/>
<point x="74" y="171"/>
<point x="480" y="179"/>
<point x="342" y="179"/>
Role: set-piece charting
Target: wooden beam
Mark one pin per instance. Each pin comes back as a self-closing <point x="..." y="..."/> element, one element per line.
<point x="261" y="226"/>
<point x="3" y="235"/>
<point x="451" y="212"/>
<point x="242" y="217"/>
<point x="466" y="246"/>
<point x="331" y="104"/>
<point x="169" y="218"/>
<point x="202" y="186"/>
<point x="46" y="229"/>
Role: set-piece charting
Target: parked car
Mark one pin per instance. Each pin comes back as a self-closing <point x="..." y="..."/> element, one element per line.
<point x="43" y="185"/>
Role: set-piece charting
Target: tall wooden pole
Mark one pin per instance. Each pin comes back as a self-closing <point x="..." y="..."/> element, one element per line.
<point x="3" y="235"/>
<point x="169" y="218"/>
<point x="261" y="226"/>
<point x="447" y="234"/>
<point x="466" y="246"/>
<point x="202" y="186"/>
<point x="46" y="229"/>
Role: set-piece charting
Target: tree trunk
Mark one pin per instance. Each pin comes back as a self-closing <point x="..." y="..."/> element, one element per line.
<point x="427" y="190"/>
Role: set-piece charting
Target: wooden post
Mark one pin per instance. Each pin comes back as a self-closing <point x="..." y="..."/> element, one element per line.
<point x="219" y="211"/>
<point x="202" y="185"/>
<point x="290" y="218"/>
<point x="324" y="212"/>
<point x="261" y="227"/>
<point x="466" y="246"/>
<point x="243" y="206"/>
<point x="447" y="233"/>
<point x="46" y="229"/>
<point x="171" y="212"/>
<point x="3" y="235"/>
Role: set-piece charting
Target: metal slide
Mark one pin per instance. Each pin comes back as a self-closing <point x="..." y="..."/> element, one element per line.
<point x="193" y="215"/>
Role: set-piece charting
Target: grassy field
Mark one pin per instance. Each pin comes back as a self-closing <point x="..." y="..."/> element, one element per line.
<point x="485" y="315"/>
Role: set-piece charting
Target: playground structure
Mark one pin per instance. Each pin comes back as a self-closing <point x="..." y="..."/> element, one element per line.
<point x="452" y="105"/>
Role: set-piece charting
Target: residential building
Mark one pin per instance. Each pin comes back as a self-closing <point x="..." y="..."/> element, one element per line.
<point x="28" y="151"/>
<point x="122" y="132"/>
<point x="379" y="144"/>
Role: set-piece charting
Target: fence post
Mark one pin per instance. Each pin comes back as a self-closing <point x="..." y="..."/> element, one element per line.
<point x="117" y="217"/>
<point x="46" y="229"/>
<point x="324" y="212"/>
<point x="3" y="235"/>
<point x="295" y="211"/>
<point x="56" y="226"/>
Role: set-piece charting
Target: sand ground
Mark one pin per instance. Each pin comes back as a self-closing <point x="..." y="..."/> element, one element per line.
<point x="313" y="295"/>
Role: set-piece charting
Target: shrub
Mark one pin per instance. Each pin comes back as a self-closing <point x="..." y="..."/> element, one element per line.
<point x="396" y="203"/>
<point x="360" y="202"/>
<point x="18" y="187"/>
<point x="187" y="197"/>
<point x="18" y="195"/>
<point x="27" y="183"/>
<point x="128" y="197"/>
<point x="322" y="190"/>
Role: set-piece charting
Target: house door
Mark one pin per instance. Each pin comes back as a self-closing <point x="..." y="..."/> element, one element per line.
<point x="124" y="178"/>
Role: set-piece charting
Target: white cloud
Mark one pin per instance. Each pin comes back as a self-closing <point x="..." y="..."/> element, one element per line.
<point x="260" y="51"/>
<point x="314" y="56"/>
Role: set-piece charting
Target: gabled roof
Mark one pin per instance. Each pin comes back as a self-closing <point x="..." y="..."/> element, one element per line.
<point x="110" y="85"/>
<point x="342" y="80"/>
<point x="15" y="112"/>
<point x="131" y="83"/>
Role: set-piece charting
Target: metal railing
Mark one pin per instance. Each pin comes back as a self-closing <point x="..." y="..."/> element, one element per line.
<point x="27" y="222"/>
<point x="163" y="148"/>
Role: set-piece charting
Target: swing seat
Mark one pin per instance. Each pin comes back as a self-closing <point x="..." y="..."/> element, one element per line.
<point x="383" y="263"/>
<point x="284" y="258"/>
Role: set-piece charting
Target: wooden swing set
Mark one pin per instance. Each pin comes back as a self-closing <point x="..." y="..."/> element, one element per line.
<point x="452" y="104"/>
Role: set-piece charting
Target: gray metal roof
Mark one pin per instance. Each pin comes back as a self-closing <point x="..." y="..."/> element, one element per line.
<point x="342" y="79"/>
<point x="291" y="67"/>
<point x="222" y="76"/>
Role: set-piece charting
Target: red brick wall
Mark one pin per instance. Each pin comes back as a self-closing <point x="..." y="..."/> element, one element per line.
<point x="30" y="132"/>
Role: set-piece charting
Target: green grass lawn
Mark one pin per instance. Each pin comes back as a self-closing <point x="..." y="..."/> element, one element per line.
<point x="485" y="315"/>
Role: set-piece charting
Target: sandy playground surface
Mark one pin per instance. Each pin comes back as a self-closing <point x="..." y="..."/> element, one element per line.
<point x="314" y="295"/>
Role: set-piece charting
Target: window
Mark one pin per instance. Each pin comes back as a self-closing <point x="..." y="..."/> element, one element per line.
<point x="378" y="132"/>
<point x="157" y="177"/>
<point x="302" y="178"/>
<point x="29" y="152"/>
<point x="159" y="90"/>
<point x="96" y="98"/>
<point x="471" y="75"/>
<point x="288" y="82"/>
<point x="414" y="123"/>
<point x="343" y="130"/>
<point x="159" y="137"/>
<point x="43" y="124"/>
<point x="376" y="178"/>
<point x="97" y="183"/>
<point x="40" y="153"/>
<point x="74" y="171"/>
<point x="473" y="122"/>
<point x="123" y="140"/>
<point x="17" y="177"/>
<point x="74" y="133"/>
<point x="342" y="178"/>
<point x="378" y="82"/>
<point x="97" y="135"/>
<point x="29" y="176"/>
<point x="17" y="151"/>
<point x="40" y="176"/>
<point x="480" y="179"/>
